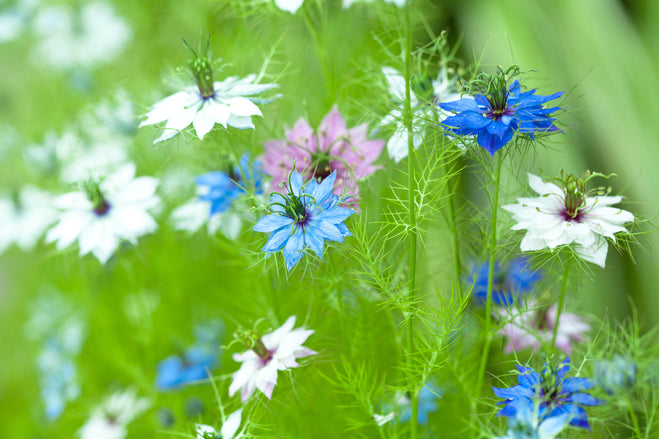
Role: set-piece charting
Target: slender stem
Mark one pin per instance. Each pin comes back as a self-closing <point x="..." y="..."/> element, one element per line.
<point x="320" y="50"/>
<point x="412" y="217"/>
<point x="490" y="276"/>
<point x="457" y="264"/>
<point x="637" y="428"/>
<point x="561" y="299"/>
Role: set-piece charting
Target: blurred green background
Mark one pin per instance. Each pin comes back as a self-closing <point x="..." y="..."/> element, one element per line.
<point x="604" y="52"/>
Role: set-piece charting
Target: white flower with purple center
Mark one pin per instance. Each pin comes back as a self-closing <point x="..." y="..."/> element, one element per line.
<point x="105" y="213"/>
<point x="208" y="102"/>
<point x="567" y="215"/>
<point x="269" y="354"/>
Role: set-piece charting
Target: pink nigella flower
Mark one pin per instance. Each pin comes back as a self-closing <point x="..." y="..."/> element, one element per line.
<point x="334" y="147"/>
<point x="535" y="327"/>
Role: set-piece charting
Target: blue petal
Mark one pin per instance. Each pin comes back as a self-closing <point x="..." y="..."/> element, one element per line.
<point x="327" y="230"/>
<point x="271" y="222"/>
<point x="343" y="229"/>
<point x="576" y="384"/>
<point x="293" y="250"/>
<point x="169" y="373"/>
<point x="296" y="183"/>
<point x="583" y="399"/>
<point x="467" y="122"/>
<point x="322" y="191"/>
<point x="335" y="215"/>
<point x="493" y="143"/>
<point x="314" y="242"/>
<point x="277" y="239"/>
<point x="464" y="104"/>
<point x="215" y="178"/>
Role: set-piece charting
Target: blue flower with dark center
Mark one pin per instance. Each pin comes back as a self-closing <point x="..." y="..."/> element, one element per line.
<point x="221" y="189"/>
<point x="495" y="117"/>
<point x="306" y="216"/>
<point x="555" y="394"/>
<point x="511" y="281"/>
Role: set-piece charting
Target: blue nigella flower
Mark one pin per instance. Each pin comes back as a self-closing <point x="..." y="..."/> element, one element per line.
<point x="221" y="189"/>
<point x="526" y="423"/>
<point x="304" y="217"/>
<point x="194" y="364"/>
<point x="494" y="118"/>
<point x="427" y="403"/>
<point x="511" y="281"/>
<point x="555" y="394"/>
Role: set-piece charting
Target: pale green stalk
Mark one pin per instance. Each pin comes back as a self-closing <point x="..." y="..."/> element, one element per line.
<point x="321" y="51"/>
<point x="490" y="278"/>
<point x="561" y="299"/>
<point x="412" y="217"/>
<point x="637" y="428"/>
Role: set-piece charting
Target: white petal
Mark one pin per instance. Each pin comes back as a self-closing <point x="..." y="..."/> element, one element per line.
<point x="543" y="188"/>
<point x="204" y="121"/>
<point x="231" y="425"/>
<point x="243" y="107"/>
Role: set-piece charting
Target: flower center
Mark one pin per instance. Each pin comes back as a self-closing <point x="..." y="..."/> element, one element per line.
<point x="202" y="71"/>
<point x="498" y="100"/>
<point x="574" y="190"/>
<point x="264" y="354"/>
<point x="100" y="205"/>
<point x="321" y="165"/>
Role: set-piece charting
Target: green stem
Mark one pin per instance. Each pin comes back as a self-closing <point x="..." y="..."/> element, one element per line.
<point x="412" y="218"/>
<point x="320" y="50"/>
<point x="490" y="278"/>
<point x="457" y="264"/>
<point x="637" y="428"/>
<point x="561" y="299"/>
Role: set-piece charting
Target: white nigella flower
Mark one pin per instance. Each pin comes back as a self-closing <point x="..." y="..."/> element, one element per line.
<point x="105" y="213"/>
<point x="93" y="35"/>
<point x="109" y="420"/>
<point x="443" y="90"/>
<point x="229" y="428"/>
<point x="275" y="351"/>
<point x="207" y="103"/>
<point x="25" y="218"/>
<point x="563" y="216"/>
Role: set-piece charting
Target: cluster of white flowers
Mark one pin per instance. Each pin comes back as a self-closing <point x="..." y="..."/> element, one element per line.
<point x="71" y="38"/>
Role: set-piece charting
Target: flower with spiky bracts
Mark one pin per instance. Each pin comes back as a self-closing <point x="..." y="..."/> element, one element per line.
<point x="552" y="391"/>
<point x="569" y="214"/>
<point x="208" y="102"/>
<point x="500" y="111"/>
<point x="332" y="148"/>
<point x="305" y="217"/>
